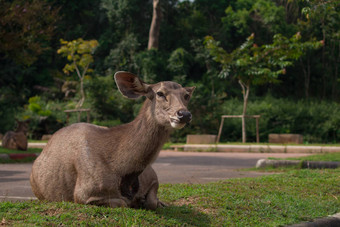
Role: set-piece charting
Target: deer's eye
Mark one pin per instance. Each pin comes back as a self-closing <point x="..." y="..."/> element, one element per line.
<point x="186" y="97"/>
<point x="160" y="94"/>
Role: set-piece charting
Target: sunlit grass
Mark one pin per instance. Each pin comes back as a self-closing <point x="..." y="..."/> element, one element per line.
<point x="275" y="200"/>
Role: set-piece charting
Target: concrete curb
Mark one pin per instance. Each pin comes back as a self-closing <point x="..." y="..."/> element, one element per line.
<point x="330" y="221"/>
<point x="257" y="148"/>
<point x="33" y="145"/>
<point x="303" y="164"/>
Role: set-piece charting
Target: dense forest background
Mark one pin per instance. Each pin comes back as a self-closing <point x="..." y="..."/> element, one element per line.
<point x="304" y="99"/>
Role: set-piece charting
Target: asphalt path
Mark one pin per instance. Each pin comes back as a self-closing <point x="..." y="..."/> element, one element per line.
<point x="171" y="167"/>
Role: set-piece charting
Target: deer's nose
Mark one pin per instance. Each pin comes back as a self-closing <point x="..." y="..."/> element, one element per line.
<point x="184" y="116"/>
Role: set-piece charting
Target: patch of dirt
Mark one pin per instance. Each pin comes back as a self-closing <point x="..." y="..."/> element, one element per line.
<point x="3" y="222"/>
<point x="53" y="212"/>
<point x="194" y="202"/>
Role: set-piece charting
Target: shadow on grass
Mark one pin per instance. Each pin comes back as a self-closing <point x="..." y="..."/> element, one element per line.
<point x="184" y="215"/>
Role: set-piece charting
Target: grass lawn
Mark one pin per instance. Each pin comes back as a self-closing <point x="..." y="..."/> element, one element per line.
<point x="279" y="199"/>
<point x="10" y="151"/>
<point x="27" y="159"/>
<point x="328" y="157"/>
<point x="168" y="145"/>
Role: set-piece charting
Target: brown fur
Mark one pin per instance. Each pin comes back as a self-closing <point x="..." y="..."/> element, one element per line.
<point x="146" y="196"/>
<point x="16" y="140"/>
<point x="89" y="164"/>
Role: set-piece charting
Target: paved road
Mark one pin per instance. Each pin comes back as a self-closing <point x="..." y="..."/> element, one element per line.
<point x="171" y="167"/>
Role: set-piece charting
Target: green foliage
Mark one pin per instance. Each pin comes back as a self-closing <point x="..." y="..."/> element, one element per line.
<point x="79" y="52"/>
<point x="122" y="58"/>
<point x="253" y="64"/>
<point x="179" y="64"/>
<point x="35" y="105"/>
<point x="46" y="116"/>
<point x="262" y="17"/>
<point x="108" y="106"/>
<point x="26" y="29"/>
<point x="32" y="30"/>
<point x="317" y="121"/>
<point x="321" y="19"/>
<point x="151" y="65"/>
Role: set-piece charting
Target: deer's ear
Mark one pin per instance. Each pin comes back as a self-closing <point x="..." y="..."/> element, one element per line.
<point x="190" y="90"/>
<point x="130" y="85"/>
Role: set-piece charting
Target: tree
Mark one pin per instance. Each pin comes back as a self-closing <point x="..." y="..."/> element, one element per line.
<point x="155" y="25"/>
<point x="79" y="52"/>
<point x="26" y="29"/>
<point x="255" y="65"/>
<point x="322" y="20"/>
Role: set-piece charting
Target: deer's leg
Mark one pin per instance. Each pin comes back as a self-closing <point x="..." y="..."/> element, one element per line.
<point x="35" y="188"/>
<point x="100" y="193"/>
<point x="101" y="201"/>
<point x="129" y="185"/>
<point x="151" y="200"/>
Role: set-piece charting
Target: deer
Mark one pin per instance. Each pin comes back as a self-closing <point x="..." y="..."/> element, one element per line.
<point x="16" y="140"/>
<point x="89" y="164"/>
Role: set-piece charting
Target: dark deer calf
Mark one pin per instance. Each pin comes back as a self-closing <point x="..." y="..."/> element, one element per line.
<point x="89" y="164"/>
<point x="16" y="140"/>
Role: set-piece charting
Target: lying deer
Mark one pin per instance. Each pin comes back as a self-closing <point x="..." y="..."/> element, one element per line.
<point x="16" y="140"/>
<point x="89" y="164"/>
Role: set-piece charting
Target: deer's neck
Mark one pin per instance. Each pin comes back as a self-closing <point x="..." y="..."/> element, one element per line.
<point x="143" y="139"/>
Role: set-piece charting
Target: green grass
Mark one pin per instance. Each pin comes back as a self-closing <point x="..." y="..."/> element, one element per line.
<point x="281" y="144"/>
<point x="328" y="157"/>
<point x="10" y="151"/>
<point x="168" y="145"/>
<point x="24" y="160"/>
<point x="275" y="200"/>
<point x="37" y="141"/>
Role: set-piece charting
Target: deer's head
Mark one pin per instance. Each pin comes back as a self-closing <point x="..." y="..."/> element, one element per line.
<point x="169" y="99"/>
<point x="22" y="126"/>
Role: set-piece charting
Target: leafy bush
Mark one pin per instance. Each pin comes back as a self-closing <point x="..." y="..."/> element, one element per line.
<point x="108" y="106"/>
<point x="46" y="117"/>
<point x="317" y="121"/>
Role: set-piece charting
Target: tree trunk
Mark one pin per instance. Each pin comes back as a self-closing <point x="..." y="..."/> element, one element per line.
<point x="306" y="73"/>
<point x="82" y="93"/>
<point x="324" y="74"/>
<point x="81" y="78"/>
<point x="155" y="25"/>
<point x="335" y="60"/>
<point x="245" y="92"/>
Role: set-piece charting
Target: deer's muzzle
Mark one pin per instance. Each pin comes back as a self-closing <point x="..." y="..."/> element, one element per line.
<point x="181" y="119"/>
<point x="184" y="116"/>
